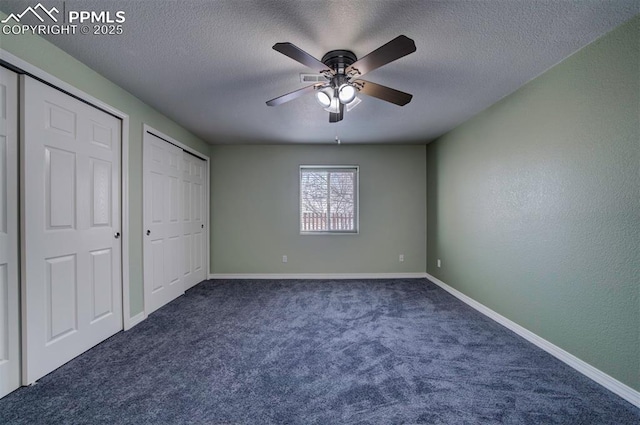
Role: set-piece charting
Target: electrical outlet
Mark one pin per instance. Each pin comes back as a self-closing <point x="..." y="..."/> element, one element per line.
<point x="284" y="259"/>
<point x="401" y="258"/>
<point x="439" y="263"/>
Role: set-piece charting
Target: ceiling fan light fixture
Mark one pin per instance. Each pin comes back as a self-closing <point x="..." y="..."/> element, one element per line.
<point x="346" y="93"/>
<point x="341" y="70"/>
<point x="323" y="98"/>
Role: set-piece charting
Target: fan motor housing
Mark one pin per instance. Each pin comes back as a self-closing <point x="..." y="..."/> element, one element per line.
<point x="339" y="60"/>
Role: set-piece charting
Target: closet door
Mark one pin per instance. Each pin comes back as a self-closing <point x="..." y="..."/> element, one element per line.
<point x="72" y="281"/>
<point x="163" y="245"/>
<point x="9" y="315"/>
<point x="193" y="213"/>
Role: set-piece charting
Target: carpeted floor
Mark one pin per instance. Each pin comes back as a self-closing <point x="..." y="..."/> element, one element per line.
<point x="316" y="352"/>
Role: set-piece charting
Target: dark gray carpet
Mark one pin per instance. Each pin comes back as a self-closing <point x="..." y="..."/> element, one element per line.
<point x="316" y="352"/>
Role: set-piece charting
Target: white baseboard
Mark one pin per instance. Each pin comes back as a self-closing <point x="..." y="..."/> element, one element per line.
<point x="218" y="276"/>
<point x="132" y="321"/>
<point x="612" y="384"/>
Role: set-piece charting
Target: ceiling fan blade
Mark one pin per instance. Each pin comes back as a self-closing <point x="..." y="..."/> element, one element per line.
<point x="335" y="117"/>
<point x="393" y="50"/>
<point x="383" y="92"/>
<point x="301" y="56"/>
<point x="293" y="95"/>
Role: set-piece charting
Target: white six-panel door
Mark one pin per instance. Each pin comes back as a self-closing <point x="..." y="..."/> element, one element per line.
<point x="163" y="244"/>
<point x="193" y="210"/>
<point x="9" y="314"/>
<point x="72" y="289"/>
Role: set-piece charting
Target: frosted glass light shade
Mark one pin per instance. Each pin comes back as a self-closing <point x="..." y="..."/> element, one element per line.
<point x="346" y="93"/>
<point x="334" y="106"/>
<point x="323" y="99"/>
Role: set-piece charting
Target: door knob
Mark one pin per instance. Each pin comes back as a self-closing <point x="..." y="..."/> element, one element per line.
<point x="117" y="235"/>
<point x="148" y="232"/>
<point x="202" y="226"/>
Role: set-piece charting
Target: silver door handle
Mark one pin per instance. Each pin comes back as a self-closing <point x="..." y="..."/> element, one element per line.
<point x="117" y="235"/>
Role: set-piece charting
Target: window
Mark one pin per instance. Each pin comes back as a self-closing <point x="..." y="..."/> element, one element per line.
<point x="328" y="199"/>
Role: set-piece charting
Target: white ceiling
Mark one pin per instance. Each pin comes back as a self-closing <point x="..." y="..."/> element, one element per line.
<point x="209" y="65"/>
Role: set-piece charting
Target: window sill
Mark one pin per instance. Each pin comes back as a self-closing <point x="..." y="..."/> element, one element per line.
<point x="329" y="233"/>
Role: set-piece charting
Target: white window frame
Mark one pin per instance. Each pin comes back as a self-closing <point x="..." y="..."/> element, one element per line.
<point x="356" y="207"/>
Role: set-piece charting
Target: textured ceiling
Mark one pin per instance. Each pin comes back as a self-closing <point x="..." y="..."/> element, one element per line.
<point x="209" y="65"/>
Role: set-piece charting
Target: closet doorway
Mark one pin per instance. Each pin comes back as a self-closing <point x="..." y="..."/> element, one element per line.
<point x="175" y="210"/>
<point x="71" y="248"/>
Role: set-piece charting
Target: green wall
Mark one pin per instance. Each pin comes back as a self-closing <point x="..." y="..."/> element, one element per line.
<point x="49" y="58"/>
<point x="533" y="205"/>
<point x="254" y="219"/>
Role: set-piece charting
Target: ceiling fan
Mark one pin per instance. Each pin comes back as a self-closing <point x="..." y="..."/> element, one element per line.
<point x="342" y="70"/>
